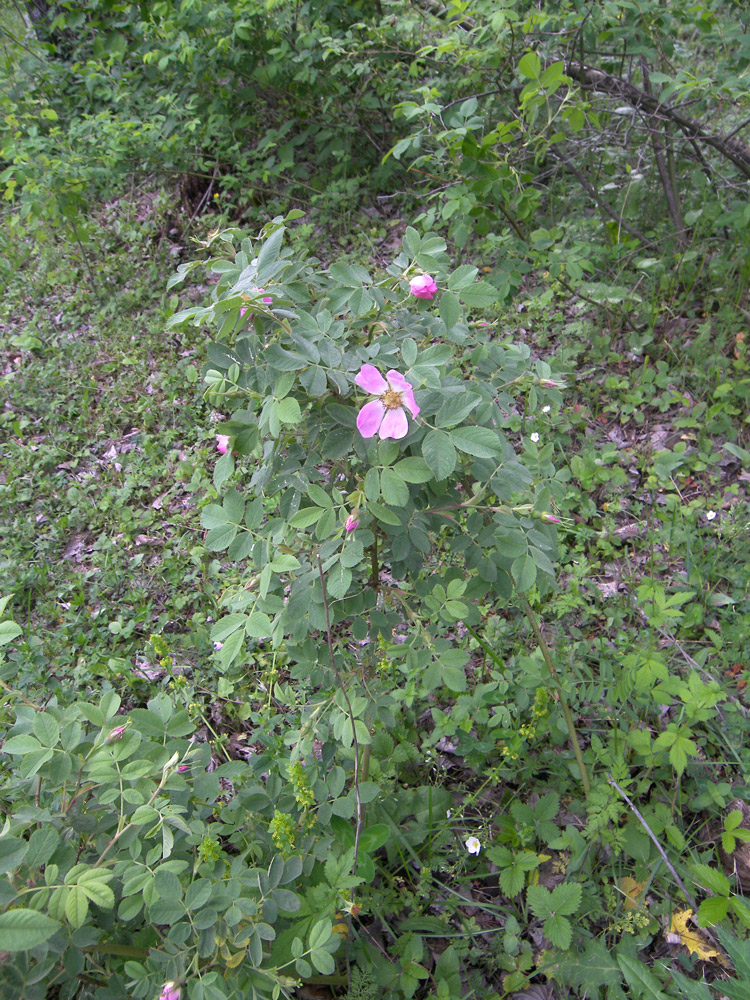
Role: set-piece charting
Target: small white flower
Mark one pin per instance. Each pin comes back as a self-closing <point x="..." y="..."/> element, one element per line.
<point x="473" y="846"/>
<point x="218" y="646"/>
<point x="448" y="813"/>
<point x="710" y="515"/>
<point x="546" y="409"/>
<point x="534" y="437"/>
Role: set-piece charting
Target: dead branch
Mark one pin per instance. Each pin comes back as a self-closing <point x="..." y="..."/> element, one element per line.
<point x="597" y="79"/>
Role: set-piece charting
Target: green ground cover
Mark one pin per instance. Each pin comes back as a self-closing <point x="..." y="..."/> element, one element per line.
<point x="491" y="741"/>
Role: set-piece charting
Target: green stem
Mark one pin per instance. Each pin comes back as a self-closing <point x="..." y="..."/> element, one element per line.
<point x="563" y="700"/>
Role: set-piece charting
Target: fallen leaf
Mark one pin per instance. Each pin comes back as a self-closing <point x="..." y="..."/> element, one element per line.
<point x="633" y="892"/>
<point x="694" y="940"/>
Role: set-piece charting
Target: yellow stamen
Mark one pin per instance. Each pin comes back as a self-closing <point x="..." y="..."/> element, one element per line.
<point x="392" y="399"/>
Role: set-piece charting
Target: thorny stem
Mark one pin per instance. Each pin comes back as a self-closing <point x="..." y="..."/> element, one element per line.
<point x="563" y="700"/>
<point x="339" y="678"/>
<point x="374" y="568"/>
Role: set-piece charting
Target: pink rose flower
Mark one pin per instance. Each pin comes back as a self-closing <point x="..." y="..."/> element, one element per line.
<point x="170" y="991"/>
<point x="351" y="522"/>
<point x="222" y="443"/>
<point x="385" y="415"/>
<point x="423" y="286"/>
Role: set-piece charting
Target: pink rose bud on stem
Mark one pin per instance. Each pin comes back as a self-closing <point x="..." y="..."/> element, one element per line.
<point x="116" y="734"/>
<point x="423" y="286"/>
<point x="549" y="383"/>
<point x="351" y="522"/>
<point x="550" y="518"/>
<point x="170" y="991"/>
<point x="222" y="443"/>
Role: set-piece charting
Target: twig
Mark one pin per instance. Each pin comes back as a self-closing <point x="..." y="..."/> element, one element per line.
<point x="591" y="190"/>
<point x="652" y="835"/>
<point x="339" y="678"/>
<point x="670" y="192"/>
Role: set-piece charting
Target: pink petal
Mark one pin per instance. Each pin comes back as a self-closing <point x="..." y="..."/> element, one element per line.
<point x="370" y="418"/>
<point x="370" y="379"/>
<point x="397" y="381"/>
<point x="395" y="425"/>
<point x="423" y="286"/>
<point x="407" y="398"/>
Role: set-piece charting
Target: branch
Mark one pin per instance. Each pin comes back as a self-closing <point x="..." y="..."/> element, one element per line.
<point x="596" y="79"/>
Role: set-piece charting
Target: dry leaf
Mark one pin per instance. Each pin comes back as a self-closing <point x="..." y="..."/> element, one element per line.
<point x="694" y="940"/>
<point x="633" y="892"/>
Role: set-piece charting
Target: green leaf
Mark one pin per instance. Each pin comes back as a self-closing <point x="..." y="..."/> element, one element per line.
<point x="523" y="572"/>
<point x="712" y="879"/>
<point x="592" y="968"/>
<point x="439" y="454"/>
<point x="454" y="678"/>
<point x="530" y="66"/>
<point x="372" y="484"/>
<point x="538" y="899"/>
<point x="712" y="911"/>
<point x="226" y="625"/>
<point x="76" y="906"/>
<point x="644" y="983"/>
<point x="21" y="930"/>
<point x="288" y="411"/>
<point x="411" y="470"/>
<point x="565" y="898"/>
<point x="46" y="729"/>
<point x="218" y="539"/>
<point x="339" y="579"/>
<point x="557" y="928"/>
<point x="268" y="255"/>
<point x="323" y="962"/>
<point x="464" y="275"/>
<point x="8" y="632"/>
<point x="480" y="295"/>
<point x="455" y="409"/>
<point x="480" y="442"/>
<point x="231" y="648"/>
<point x="411" y="240"/>
<point x="450" y="310"/>
<point x="689" y="989"/>
<point x="512" y="880"/>
<point x="99" y="893"/>
<point x="12" y="852"/>
<point x="21" y="744"/>
<point x="305" y="517"/>
<point x="258" y="626"/>
<point x="374" y="837"/>
<point x="384" y="514"/>
<point x="409" y="352"/>
<point x="319" y="496"/>
<point x="395" y="492"/>
<point x="320" y="934"/>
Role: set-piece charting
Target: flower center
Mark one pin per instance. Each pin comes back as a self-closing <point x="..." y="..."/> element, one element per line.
<point x="392" y="399"/>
